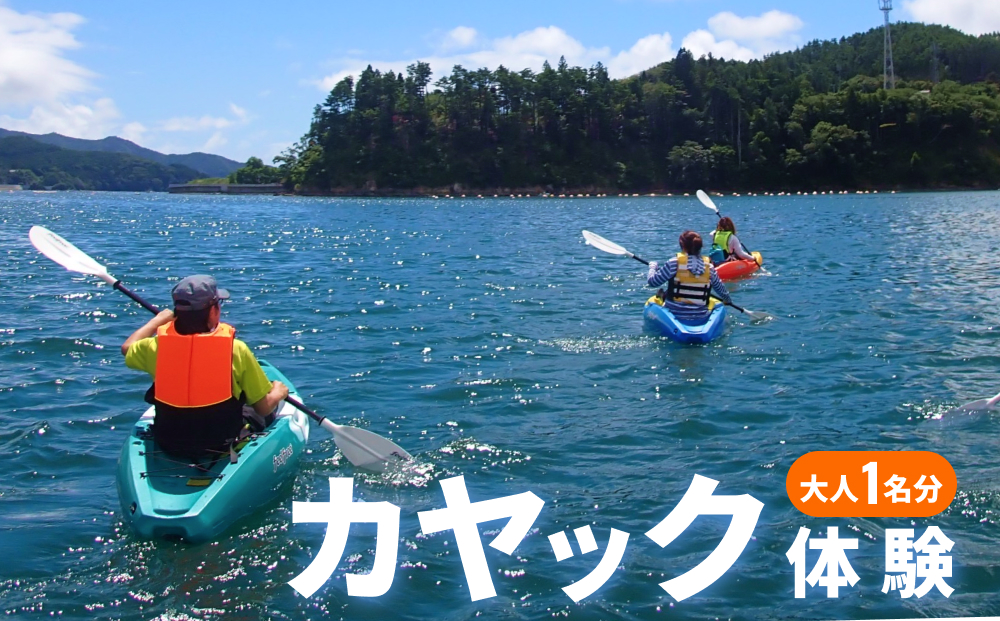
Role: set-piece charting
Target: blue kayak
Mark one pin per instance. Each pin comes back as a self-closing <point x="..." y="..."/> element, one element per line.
<point x="163" y="496"/>
<point x="664" y="322"/>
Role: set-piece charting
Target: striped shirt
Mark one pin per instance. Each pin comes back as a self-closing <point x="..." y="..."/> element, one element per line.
<point x="660" y="275"/>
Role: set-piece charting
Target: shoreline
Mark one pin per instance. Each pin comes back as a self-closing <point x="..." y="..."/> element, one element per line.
<point x="521" y="193"/>
<point x="589" y="193"/>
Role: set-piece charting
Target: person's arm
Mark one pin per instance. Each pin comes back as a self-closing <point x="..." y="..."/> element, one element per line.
<point x="736" y="248"/>
<point x="262" y="394"/>
<point x="719" y="288"/>
<point x="148" y="330"/>
<point x="271" y="400"/>
<point x="660" y="274"/>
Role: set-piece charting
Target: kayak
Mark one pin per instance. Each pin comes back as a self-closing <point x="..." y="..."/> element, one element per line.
<point x="663" y="321"/>
<point x="732" y="270"/>
<point x="163" y="496"/>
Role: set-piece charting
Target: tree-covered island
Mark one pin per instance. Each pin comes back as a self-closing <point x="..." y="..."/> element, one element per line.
<point x="814" y="118"/>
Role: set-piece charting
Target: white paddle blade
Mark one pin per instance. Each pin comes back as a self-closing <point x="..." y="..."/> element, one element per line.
<point x="706" y="201"/>
<point x="603" y="244"/>
<point x="64" y="253"/>
<point x="758" y="316"/>
<point x="975" y="407"/>
<point x="366" y="450"/>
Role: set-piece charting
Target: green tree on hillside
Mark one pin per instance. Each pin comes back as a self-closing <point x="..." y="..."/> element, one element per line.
<point x="814" y="117"/>
<point x="256" y="171"/>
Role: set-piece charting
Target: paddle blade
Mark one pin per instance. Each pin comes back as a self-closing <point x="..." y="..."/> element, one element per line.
<point x="604" y="244"/>
<point x="64" y="253"/>
<point x="976" y="407"/>
<point x="366" y="450"/>
<point x="759" y="316"/>
<point x="706" y="201"/>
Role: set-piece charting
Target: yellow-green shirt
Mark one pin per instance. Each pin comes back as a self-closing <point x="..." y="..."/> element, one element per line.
<point x="248" y="377"/>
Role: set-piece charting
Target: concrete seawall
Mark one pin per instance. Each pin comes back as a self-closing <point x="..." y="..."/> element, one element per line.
<point x="228" y="188"/>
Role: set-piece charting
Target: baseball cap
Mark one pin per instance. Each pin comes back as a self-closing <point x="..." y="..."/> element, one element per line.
<point x="197" y="292"/>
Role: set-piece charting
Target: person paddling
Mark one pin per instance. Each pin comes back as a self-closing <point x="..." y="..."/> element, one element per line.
<point x="724" y="239"/>
<point x="202" y="374"/>
<point x="690" y="279"/>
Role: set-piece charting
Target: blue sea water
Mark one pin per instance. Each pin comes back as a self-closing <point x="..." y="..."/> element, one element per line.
<point x="487" y="339"/>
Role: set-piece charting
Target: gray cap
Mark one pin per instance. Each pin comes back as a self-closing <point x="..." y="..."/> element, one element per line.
<point x="196" y="293"/>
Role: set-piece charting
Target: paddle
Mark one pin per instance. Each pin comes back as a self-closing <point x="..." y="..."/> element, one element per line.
<point x="364" y="449"/>
<point x="974" y="407"/>
<point x="708" y="202"/>
<point x="611" y="247"/>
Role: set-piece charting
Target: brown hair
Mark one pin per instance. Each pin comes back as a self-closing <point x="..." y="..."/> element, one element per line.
<point x="726" y="224"/>
<point x="691" y="242"/>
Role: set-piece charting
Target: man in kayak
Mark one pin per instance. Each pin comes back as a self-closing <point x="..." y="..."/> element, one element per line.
<point x="202" y="374"/>
<point x="690" y="279"/>
<point x="724" y="238"/>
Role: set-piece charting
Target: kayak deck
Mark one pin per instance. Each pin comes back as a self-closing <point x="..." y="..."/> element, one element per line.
<point x="662" y="321"/>
<point x="165" y="496"/>
<point x="732" y="270"/>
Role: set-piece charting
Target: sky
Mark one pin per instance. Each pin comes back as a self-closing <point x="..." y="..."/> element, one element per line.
<point x="241" y="79"/>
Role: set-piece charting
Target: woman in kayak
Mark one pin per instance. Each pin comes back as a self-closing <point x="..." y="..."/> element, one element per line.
<point x="690" y="280"/>
<point x="725" y="239"/>
<point x="202" y="375"/>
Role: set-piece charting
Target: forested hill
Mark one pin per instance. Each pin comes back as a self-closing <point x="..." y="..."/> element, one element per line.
<point x="41" y="166"/>
<point x="206" y="163"/>
<point x="814" y="118"/>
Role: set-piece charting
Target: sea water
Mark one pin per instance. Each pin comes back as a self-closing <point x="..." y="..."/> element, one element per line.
<point x="488" y="340"/>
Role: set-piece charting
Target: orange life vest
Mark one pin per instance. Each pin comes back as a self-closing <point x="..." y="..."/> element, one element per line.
<point x="194" y="370"/>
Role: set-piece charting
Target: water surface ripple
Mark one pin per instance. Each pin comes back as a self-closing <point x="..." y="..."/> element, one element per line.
<point x="488" y="340"/>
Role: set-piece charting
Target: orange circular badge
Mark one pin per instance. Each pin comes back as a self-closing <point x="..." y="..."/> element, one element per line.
<point x="871" y="484"/>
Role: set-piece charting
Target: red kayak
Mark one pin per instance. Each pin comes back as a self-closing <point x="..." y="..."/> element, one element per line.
<point x="733" y="270"/>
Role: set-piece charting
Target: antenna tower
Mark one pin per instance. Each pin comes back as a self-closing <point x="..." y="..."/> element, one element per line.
<point x="889" y="74"/>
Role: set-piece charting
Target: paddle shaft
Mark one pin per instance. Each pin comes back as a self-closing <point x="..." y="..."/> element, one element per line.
<point x="302" y="408"/>
<point x="639" y="259"/>
<point x="135" y="297"/>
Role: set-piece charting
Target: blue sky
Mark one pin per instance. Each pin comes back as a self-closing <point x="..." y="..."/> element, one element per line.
<point x="242" y="78"/>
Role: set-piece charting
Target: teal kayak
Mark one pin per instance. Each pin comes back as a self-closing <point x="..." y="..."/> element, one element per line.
<point x="162" y="496"/>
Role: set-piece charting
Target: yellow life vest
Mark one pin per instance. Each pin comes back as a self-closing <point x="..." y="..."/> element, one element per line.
<point x="687" y="288"/>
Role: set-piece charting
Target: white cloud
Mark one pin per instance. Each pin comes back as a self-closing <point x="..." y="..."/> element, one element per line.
<point x="744" y="38"/>
<point x="77" y="120"/>
<point x="190" y="124"/>
<point x="770" y="25"/>
<point x="546" y="43"/>
<point x="729" y="36"/>
<point x="647" y="52"/>
<point x="133" y="131"/>
<point x="239" y="113"/>
<point x="459" y="39"/>
<point x="40" y="89"/>
<point x="702" y="42"/>
<point x="217" y="140"/>
<point x="206" y="122"/>
<point x="972" y="16"/>
<point x="526" y="50"/>
<point x="32" y="67"/>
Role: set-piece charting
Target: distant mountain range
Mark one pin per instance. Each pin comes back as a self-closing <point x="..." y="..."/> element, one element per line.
<point x="207" y="164"/>
<point x="38" y="166"/>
